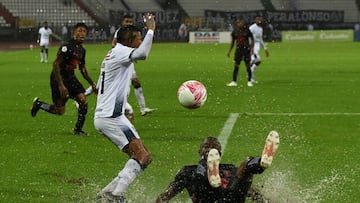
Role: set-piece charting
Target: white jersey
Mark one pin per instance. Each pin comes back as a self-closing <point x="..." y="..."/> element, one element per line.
<point x="115" y="74"/>
<point x="257" y="32"/>
<point x="44" y="36"/>
<point x="134" y="75"/>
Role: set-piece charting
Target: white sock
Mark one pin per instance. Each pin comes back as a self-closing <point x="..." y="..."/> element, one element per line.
<point x="253" y="68"/>
<point x="88" y="91"/>
<point x="46" y="57"/>
<point x="41" y="56"/>
<point x="127" y="175"/>
<point x="111" y="186"/>
<point x="140" y="97"/>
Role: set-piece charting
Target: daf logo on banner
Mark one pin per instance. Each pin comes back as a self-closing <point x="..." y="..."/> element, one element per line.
<point x="209" y="37"/>
<point x="206" y="36"/>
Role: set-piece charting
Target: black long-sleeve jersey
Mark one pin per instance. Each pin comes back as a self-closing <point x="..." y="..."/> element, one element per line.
<point x="74" y="55"/>
<point x="194" y="179"/>
<point x="242" y="37"/>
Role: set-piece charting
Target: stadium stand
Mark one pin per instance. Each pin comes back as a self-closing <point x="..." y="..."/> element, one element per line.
<point x="3" y="22"/>
<point x="54" y="11"/>
<point x="349" y="6"/>
<point x="99" y="15"/>
<point x="196" y="8"/>
<point x="282" y="4"/>
<point x="142" y="5"/>
<point x="100" y="8"/>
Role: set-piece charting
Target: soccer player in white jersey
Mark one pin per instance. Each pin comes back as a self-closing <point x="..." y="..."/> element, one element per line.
<point x="128" y="20"/>
<point x="110" y="120"/>
<point x="257" y="32"/>
<point x="44" y="39"/>
<point x="144" y="110"/>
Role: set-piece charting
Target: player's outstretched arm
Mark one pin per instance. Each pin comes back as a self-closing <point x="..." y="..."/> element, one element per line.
<point x="175" y="187"/>
<point x="56" y="71"/>
<point x="87" y="77"/>
<point x="144" y="49"/>
<point x="231" y="46"/>
<point x="167" y="195"/>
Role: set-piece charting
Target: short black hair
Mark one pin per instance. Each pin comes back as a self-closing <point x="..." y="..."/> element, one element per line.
<point x="126" y="16"/>
<point x="126" y="32"/>
<point x="80" y="25"/>
<point x="209" y="141"/>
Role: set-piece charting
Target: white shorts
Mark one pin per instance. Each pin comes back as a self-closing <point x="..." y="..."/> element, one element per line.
<point x="118" y="130"/>
<point x="44" y="43"/>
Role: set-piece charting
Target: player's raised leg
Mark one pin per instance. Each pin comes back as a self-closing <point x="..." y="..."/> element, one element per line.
<point x="271" y="145"/>
<point x="213" y="161"/>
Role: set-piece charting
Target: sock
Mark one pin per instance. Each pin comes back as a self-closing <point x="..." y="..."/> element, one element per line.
<point x="47" y="107"/>
<point x="140" y="97"/>
<point x="46" y="55"/>
<point x="235" y="73"/>
<point x="88" y="91"/>
<point x="82" y="111"/>
<point x="127" y="175"/>
<point x="42" y="56"/>
<point x="249" y="73"/>
<point x="253" y="68"/>
<point x="253" y="166"/>
<point x="111" y="186"/>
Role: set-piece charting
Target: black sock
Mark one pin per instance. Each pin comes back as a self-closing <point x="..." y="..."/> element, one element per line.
<point x="249" y="73"/>
<point x="47" y="107"/>
<point x="253" y="166"/>
<point x="235" y="73"/>
<point x="81" y="117"/>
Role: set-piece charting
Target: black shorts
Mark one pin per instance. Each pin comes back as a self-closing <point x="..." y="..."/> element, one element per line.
<point x="242" y="53"/>
<point x="73" y="86"/>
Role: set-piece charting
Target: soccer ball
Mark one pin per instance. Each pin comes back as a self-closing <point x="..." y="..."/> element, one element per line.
<point x="192" y="94"/>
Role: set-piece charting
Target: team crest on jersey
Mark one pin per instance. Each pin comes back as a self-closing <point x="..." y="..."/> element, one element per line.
<point x="108" y="56"/>
<point x="64" y="49"/>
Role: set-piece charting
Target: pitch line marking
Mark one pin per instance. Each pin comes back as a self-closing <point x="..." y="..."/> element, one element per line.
<point x="301" y="114"/>
<point x="226" y="130"/>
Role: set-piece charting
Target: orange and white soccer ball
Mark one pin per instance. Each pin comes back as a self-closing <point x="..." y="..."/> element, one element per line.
<point x="192" y="94"/>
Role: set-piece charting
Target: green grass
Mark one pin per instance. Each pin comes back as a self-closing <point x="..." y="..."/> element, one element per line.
<point x="41" y="161"/>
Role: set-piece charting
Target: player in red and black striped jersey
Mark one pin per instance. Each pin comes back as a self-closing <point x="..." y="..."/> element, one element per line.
<point x="223" y="183"/>
<point x="63" y="81"/>
<point x="244" y="40"/>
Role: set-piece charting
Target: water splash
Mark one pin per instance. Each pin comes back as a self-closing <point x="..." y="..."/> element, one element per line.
<point x="282" y="186"/>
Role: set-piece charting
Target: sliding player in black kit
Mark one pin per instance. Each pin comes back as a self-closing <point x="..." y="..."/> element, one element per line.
<point x="210" y="182"/>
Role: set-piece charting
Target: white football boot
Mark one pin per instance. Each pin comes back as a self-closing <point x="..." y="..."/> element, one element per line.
<point x="146" y="110"/>
<point x="271" y="145"/>
<point x="213" y="161"/>
<point x="232" y="84"/>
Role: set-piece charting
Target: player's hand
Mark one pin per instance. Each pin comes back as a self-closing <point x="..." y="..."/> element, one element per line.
<point x="149" y="20"/>
<point x="228" y="54"/>
<point x="64" y="93"/>
<point x="94" y="89"/>
<point x="38" y="41"/>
